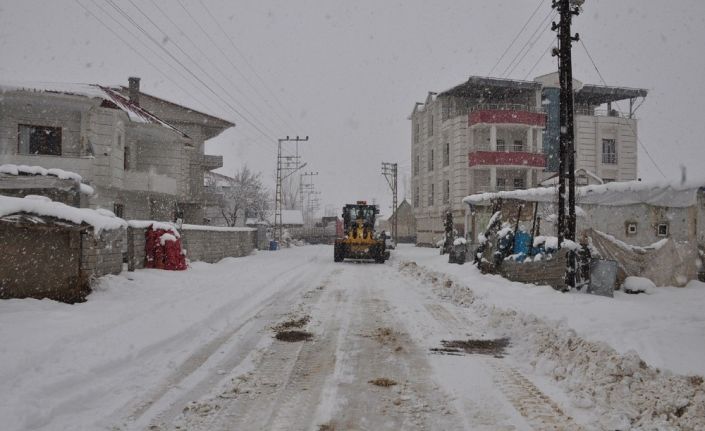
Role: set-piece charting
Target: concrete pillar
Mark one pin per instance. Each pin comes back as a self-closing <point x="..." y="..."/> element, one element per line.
<point x="528" y="179"/>
<point x="493" y="138"/>
<point x="493" y="179"/>
<point x="529" y="139"/>
<point x="539" y="141"/>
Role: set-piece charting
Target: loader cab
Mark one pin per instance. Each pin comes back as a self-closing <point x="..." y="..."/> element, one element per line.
<point x="360" y="212"/>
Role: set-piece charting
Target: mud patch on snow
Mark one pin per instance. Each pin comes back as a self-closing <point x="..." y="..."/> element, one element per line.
<point x="474" y="347"/>
<point x="383" y="382"/>
<point x="326" y="427"/>
<point x="292" y="323"/>
<point x="293" y="336"/>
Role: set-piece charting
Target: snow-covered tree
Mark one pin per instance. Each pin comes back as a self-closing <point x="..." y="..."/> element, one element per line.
<point x="244" y="197"/>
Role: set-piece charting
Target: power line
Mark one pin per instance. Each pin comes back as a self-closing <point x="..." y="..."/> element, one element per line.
<point x="244" y="58"/>
<point x="205" y="72"/>
<point x="538" y="60"/>
<point x="204" y="31"/>
<point x="658" y="168"/>
<point x="167" y="76"/>
<point x="538" y="6"/>
<point x="530" y="41"/>
<point x="189" y="71"/>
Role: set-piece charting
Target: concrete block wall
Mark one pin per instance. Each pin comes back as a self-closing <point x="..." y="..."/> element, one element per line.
<point x="102" y="254"/>
<point x="213" y="245"/>
<point x="202" y="243"/>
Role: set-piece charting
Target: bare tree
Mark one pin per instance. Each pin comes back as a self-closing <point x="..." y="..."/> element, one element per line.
<point x="244" y="196"/>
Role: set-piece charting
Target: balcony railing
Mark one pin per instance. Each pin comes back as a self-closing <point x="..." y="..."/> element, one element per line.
<point x="506" y="107"/>
<point x="502" y="158"/>
<point x="592" y="112"/>
<point x="211" y="162"/>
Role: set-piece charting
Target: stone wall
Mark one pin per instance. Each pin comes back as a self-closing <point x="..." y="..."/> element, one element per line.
<point x="101" y="255"/>
<point x="211" y="244"/>
<point x="202" y="243"/>
<point x="55" y="261"/>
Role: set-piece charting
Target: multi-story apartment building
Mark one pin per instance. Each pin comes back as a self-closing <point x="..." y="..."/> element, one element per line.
<point x="143" y="155"/>
<point x="490" y="134"/>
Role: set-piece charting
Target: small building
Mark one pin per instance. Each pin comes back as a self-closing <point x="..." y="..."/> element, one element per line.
<point x="52" y="250"/>
<point x="630" y="215"/>
<point x="143" y="155"/>
<point x="406" y="224"/>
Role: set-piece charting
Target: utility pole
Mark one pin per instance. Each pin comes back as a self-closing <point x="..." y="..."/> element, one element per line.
<point x="286" y="166"/>
<point x="566" y="169"/>
<point x="305" y="188"/>
<point x="389" y="170"/>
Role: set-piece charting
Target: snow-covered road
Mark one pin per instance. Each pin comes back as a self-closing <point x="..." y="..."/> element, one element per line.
<point x="196" y="350"/>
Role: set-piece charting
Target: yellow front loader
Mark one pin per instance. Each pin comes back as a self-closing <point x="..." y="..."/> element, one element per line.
<point x="359" y="240"/>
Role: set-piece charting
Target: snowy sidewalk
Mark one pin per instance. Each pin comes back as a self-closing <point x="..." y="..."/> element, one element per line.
<point x="666" y="326"/>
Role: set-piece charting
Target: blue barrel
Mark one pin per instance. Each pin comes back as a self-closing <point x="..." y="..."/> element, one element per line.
<point x="522" y="243"/>
<point x="273" y="245"/>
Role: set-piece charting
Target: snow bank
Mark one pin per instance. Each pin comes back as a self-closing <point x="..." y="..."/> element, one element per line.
<point x="216" y="228"/>
<point x="619" y="388"/>
<point x="99" y="221"/>
<point x="670" y="194"/>
<point x="154" y="225"/>
<point x="638" y="285"/>
<point x="38" y="170"/>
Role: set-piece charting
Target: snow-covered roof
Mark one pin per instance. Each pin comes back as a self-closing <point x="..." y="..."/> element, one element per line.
<point x="43" y="206"/>
<point x="290" y="217"/>
<point x="11" y="169"/>
<point x="111" y="95"/>
<point x="667" y="194"/>
<point x="553" y="180"/>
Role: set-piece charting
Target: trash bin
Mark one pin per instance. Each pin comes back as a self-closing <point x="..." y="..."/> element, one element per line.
<point x="273" y="245"/>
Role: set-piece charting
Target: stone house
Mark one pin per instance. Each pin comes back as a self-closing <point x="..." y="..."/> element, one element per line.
<point x="143" y="155"/>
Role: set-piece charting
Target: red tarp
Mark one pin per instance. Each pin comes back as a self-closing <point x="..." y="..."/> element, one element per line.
<point x="163" y="254"/>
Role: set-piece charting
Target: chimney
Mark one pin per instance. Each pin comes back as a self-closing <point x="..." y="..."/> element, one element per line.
<point x="134" y="90"/>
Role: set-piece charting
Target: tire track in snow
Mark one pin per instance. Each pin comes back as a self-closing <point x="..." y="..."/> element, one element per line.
<point x="168" y="397"/>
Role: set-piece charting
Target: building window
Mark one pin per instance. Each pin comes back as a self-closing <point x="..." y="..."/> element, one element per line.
<point x="631" y="228"/>
<point x="519" y="184"/>
<point x="446" y="191"/>
<point x="430" y="196"/>
<point x="39" y="140"/>
<point x="608" y="180"/>
<point x="126" y="158"/>
<point x="416" y="165"/>
<point x="416" y="197"/>
<point x="446" y="154"/>
<point x="500" y="145"/>
<point x="430" y="125"/>
<point x="416" y="132"/>
<point x="518" y="145"/>
<point x="119" y="210"/>
<point x="662" y="229"/>
<point x="430" y="160"/>
<point x="609" y="151"/>
<point x="501" y="184"/>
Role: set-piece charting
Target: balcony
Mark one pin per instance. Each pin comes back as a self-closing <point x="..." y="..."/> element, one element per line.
<point x="507" y="114"/>
<point x="507" y="158"/>
<point x="210" y="162"/>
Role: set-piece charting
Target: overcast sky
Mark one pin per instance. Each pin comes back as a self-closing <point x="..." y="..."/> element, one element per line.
<point x="348" y="73"/>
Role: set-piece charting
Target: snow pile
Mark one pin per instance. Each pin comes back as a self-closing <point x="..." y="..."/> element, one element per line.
<point x="638" y="285"/>
<point x="460" y="241"/>
<point x="166" y="237"/>
<point x="216" y="228"/>
<point x="41" y="207"/>
<point x="620" y="388"/>
<point x="670" y="194"/>
<point x="154" y="225"/>
<point x="11" y="169"/>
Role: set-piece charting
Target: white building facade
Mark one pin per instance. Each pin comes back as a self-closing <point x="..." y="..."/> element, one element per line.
<point x="490" y="134"/>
